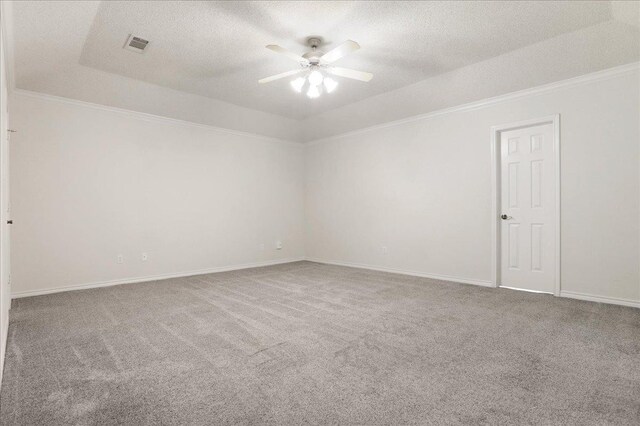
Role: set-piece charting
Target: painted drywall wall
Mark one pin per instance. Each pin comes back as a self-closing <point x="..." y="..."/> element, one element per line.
<point x="5" y="296"/>
<point x="90" y="184"/>
<point x="422" y="190"/>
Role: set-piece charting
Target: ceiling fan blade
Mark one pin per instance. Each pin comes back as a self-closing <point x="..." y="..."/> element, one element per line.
<point x="288" y="53"/>
<point x="279" y="76"/>
<point x="342" y="50"/>
<point x="345" y="72"/>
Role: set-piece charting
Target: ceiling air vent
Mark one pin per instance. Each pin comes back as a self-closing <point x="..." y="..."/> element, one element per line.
<point x="136" y="44"/>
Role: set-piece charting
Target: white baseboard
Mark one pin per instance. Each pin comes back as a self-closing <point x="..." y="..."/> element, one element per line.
<point x="153" y="277"/>
<point x="600" y="299"/>
<point x="483" y="283"/>
<point x="568" y="294"/>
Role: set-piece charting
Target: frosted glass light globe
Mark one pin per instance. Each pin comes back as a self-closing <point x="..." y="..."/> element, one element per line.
<point x="315" y="78"/>
<point x="313" y="92"/>
<point x="297" y="84"/>
<point x="330" y="84"/>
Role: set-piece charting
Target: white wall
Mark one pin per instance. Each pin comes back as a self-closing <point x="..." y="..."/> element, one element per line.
<point x="422" y="188"/>
<point x="91" y="183"/>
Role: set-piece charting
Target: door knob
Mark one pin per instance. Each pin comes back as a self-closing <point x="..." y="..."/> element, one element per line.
<point x="505" y="217"/>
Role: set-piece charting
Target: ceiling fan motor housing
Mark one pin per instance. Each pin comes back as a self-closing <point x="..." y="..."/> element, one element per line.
<point x="314" y="55"/>
<point x="314" y="42"/>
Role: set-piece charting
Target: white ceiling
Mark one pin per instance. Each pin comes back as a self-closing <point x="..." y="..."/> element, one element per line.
<point x="216" y="49"/>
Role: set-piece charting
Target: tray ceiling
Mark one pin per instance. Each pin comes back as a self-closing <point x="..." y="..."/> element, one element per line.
<point x="216" y="49"/>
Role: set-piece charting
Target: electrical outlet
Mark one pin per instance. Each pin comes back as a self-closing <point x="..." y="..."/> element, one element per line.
<point x="262" y="247"/>
<point x="145" y="257"/>
<point x="120" y="259"/>
<point x="385" y="249"/>
<point x="278" y="245"/>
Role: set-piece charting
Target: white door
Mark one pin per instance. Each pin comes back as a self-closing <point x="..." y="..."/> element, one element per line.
<point x="528" y="208"/>
<point x="5" y="298"/>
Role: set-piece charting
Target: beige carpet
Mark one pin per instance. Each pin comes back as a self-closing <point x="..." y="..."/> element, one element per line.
<point x="306" y="343"/>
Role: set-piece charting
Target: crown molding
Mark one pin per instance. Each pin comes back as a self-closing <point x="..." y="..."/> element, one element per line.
<point x="145" y="116"/>
<point x="533" y="91"/>
<point x="5" y="9"/>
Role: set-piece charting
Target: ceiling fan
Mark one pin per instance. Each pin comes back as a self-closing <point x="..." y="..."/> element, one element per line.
<point x="315" y="64"/>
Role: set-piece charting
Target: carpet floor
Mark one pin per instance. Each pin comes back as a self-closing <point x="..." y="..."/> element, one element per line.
<point x="306" y="343"/>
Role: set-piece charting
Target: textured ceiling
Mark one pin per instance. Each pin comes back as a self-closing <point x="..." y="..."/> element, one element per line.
<point x="216" y="49"/>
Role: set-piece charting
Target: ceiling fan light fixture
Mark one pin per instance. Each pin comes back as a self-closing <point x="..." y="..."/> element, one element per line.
<point x="313" y="92"/>
<point x="315" y="65"/>
<point x="315" y="78"/>
<point x="297" y="84"/>
<point x="330" y="84"/>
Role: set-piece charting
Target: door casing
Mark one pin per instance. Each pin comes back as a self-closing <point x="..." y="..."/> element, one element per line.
<point x="496" y="131"/>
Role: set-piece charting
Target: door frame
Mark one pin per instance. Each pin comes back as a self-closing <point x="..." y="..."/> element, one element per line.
<point x="496" y="193"/>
